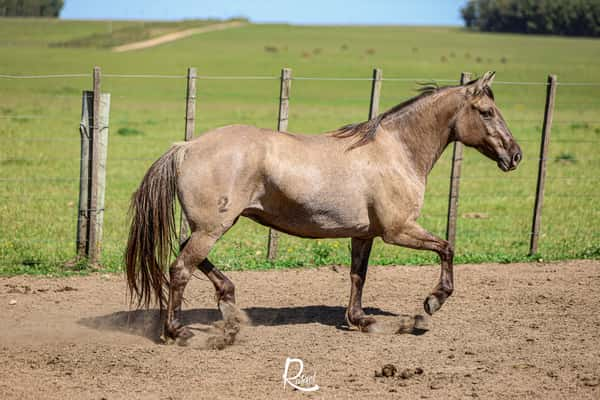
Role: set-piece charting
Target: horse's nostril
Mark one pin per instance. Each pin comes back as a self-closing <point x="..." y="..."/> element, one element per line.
<point x="517" y="157"/>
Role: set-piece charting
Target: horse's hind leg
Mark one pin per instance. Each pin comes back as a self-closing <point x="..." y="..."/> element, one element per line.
<point x="194" y="254"/>
<point x="361" y="249"/>
<point x="225" y="296"/>
<point x="194" y="251"/>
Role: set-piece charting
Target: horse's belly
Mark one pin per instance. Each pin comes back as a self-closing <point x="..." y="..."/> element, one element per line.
<point x="310" y="222"/>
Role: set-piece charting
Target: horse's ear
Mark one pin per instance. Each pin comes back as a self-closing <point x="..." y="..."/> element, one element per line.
<point x="488" y="78"/>
<point x="478" y="87"/>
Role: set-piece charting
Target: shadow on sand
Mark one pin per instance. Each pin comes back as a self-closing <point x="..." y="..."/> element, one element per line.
<point x="147" y="323"/>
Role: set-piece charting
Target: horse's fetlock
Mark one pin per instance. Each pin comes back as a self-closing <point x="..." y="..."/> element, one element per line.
<point x="354" y="315"/>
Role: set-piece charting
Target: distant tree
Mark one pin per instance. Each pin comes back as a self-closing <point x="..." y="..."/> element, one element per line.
<point x="30" y="8"/>
<point x="469" y="14"/>
<point x="558" y="17"/>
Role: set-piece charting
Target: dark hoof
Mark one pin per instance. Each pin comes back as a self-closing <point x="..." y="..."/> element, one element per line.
<point x="176" y="333"/>
<point x="431" y="304"/>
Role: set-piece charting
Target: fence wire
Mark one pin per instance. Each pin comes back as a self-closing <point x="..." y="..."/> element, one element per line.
<point x="273" y="77"/>
<point x="121" y="185"/>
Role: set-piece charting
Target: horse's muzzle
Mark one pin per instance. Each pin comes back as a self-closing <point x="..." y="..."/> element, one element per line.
<point x="512" y="159"/>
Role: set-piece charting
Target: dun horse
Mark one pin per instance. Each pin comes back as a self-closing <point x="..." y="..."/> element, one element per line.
<point x="362" y="181"/>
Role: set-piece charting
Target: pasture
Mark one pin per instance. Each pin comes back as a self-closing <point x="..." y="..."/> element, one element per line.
<point x="39" y="139"/>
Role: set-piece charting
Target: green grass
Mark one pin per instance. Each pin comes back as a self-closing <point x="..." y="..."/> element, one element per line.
<point x="39" y="138"/>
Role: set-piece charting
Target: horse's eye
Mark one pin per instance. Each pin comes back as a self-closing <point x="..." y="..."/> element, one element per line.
<point x="489" y="113"/>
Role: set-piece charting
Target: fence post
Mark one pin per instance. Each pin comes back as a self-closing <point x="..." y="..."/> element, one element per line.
<point x="282" y="124"/>
<point x="457" y="156"/>
<point x="375" y="92"/>
<point x="101" y="145"/>
<point x="84" y="174"/>
<point x="541" y="177"/>
<point x="190" y="127"/>
<point x="97" y="170"/>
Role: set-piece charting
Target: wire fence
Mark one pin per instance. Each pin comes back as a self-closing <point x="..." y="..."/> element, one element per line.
<point x="276" y="77"/>
<point x="39" y="165"/>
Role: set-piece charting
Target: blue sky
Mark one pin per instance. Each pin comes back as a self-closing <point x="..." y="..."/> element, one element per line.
<point x="397" y="12"/>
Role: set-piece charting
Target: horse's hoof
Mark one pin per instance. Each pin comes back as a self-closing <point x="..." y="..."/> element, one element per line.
<point x="176" y="332"/>
<point x="431" y="304"/>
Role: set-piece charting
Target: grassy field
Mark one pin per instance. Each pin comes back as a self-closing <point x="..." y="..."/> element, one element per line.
<point x="39" y="139"/>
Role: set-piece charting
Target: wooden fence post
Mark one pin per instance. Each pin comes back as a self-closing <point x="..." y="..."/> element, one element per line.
<point x="190" y="127"/>
<point x="98" y="152"/>
<point x="457" y="155"/>
<point x="101" y="145"/>
<point x="93" y="200"/>
<point x="84" y="174"/>
<point x="282" y="124"/>
<point x="541" y="177"/>
<point x="375" y="92"/>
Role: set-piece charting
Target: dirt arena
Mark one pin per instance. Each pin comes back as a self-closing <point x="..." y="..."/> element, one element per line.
<point x="510" y="331"/>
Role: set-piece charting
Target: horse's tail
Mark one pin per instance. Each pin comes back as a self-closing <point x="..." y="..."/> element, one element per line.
<point x="153" y="229"/>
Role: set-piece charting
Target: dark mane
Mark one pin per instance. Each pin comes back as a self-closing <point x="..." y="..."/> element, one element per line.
<point x="365" y="131"/>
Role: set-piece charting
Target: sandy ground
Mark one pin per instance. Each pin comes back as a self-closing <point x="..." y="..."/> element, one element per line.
<point x="170" y="37"/>
<point x="510" y="331"/>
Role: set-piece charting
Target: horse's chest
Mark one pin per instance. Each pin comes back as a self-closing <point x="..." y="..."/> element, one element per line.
<point x="398" y="197"/>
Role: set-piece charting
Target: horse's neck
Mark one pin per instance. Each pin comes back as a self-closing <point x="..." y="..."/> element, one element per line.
<point x="424" y="130"/>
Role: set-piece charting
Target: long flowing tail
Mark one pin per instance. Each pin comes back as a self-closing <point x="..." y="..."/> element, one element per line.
<point x="153" y="229"/>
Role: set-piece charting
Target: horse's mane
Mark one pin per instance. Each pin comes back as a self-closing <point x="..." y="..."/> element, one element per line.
<point x="365" y="131"/>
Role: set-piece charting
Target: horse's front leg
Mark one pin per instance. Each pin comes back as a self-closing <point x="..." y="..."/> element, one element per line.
<point x="361" y="249"/>
<point x="415" y="237"/>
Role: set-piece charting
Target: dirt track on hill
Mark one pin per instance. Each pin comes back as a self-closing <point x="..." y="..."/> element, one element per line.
<point x="509" y="331"/>
<point x="171" y="37"/>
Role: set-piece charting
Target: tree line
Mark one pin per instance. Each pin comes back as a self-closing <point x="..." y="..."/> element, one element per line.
<point x="30" y="8"/>
<point x="557" y="17"/>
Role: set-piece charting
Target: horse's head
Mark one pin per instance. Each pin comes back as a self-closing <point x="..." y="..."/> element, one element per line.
<point x="479" y="124"/>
